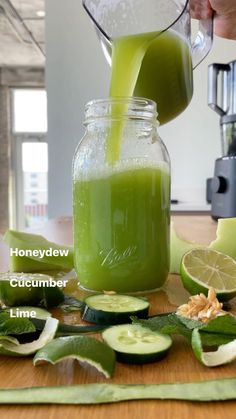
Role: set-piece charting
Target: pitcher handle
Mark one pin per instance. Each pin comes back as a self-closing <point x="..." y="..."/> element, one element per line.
<point x="203" y="42"/>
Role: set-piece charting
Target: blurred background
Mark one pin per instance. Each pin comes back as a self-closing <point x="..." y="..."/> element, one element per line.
<point x="51" y="64"/>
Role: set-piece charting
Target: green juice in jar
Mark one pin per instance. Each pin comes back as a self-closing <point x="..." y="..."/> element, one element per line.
<point x="121" y="229"/>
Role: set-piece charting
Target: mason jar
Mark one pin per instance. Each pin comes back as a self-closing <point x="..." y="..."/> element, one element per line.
<point x="121" y="198"/>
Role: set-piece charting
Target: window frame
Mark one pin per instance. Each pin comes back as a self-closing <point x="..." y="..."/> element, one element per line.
<point x="17" y="81"/>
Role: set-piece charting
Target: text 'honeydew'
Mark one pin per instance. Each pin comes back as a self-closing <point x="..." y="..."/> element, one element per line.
<point x="38" y="253"/>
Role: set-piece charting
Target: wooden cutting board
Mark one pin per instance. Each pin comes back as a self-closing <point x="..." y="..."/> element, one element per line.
<point x="180" y="364"/>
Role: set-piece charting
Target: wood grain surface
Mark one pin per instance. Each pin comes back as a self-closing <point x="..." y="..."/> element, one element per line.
<point x="180" y="364"/>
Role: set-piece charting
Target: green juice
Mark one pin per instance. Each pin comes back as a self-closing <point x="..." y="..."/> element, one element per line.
<point x="121" y="229"/>
<point x="165" y="75"/>
<point x="127" y="56"/>
<point x="156" y="66"/>
<point x="153" y="65"/>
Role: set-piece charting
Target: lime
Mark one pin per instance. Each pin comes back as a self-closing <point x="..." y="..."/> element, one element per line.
<point x="204" y="268"/>
<point x="83" y="349"/>
<point x="224" y="354"/>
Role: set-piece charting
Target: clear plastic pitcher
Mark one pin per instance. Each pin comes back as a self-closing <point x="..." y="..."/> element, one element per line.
<point x="166" y="72"/>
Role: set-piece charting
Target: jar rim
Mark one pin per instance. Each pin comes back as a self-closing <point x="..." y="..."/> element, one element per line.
<point x="121" y="107"/>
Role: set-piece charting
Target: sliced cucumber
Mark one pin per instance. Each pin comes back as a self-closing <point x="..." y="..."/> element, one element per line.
<point x="135" y="344"/>
<point x="114" y="309"/>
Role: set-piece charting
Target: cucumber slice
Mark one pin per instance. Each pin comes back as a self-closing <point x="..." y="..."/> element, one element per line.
<point x="135" y="344"/>
<point x="68" y="329"/>
<point x="114" y="309"/>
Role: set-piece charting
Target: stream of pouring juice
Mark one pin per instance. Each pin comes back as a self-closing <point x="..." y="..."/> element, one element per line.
<point x="121" y="213"/>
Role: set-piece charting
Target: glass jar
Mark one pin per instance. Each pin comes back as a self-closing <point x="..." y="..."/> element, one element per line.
<point x="121" y="202"/>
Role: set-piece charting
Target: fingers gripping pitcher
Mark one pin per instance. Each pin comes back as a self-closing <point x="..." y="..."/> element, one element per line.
<point x="121" y="210"/>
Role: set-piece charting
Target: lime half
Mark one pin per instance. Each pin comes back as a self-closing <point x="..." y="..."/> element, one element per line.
<point x="204" y="268"/>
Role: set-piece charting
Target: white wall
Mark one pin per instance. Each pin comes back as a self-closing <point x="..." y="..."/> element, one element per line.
<point x="76" y="71"/>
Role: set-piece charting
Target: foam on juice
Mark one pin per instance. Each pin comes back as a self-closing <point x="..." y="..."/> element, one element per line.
<point x="103" y="172"/>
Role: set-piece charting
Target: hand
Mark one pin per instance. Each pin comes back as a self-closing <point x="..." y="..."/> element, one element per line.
<point x="224" y="15"/>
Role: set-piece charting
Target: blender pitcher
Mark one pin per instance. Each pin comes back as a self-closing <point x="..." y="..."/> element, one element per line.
<point x="165" y="75"/>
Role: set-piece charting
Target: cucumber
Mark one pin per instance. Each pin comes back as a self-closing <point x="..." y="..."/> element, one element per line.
<point x="114" y="309"/>
<point x="135" y="344"/>
<point x="21" y="295"/>
<point x="100" y="393"/>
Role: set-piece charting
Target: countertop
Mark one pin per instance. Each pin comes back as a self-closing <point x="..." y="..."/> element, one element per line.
<point x="179" y="365"/>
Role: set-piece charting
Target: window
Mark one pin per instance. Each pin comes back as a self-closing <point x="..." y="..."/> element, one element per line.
<point x="35" y="159"/>
<point x="30" y="150"/>
<point x="29" y="110"/>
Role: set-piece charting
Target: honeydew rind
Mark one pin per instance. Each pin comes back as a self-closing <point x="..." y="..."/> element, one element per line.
<point x="25" y="241"/>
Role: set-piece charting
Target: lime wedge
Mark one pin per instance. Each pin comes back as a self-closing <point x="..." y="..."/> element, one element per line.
<point x="83" y="348"/>
<point x="12" y="348"/>
<point x="223" y="355"/>
<point x="204" y="268"/>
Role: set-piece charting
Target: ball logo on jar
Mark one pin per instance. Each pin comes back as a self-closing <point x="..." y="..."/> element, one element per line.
<point x="113" y="257"/>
